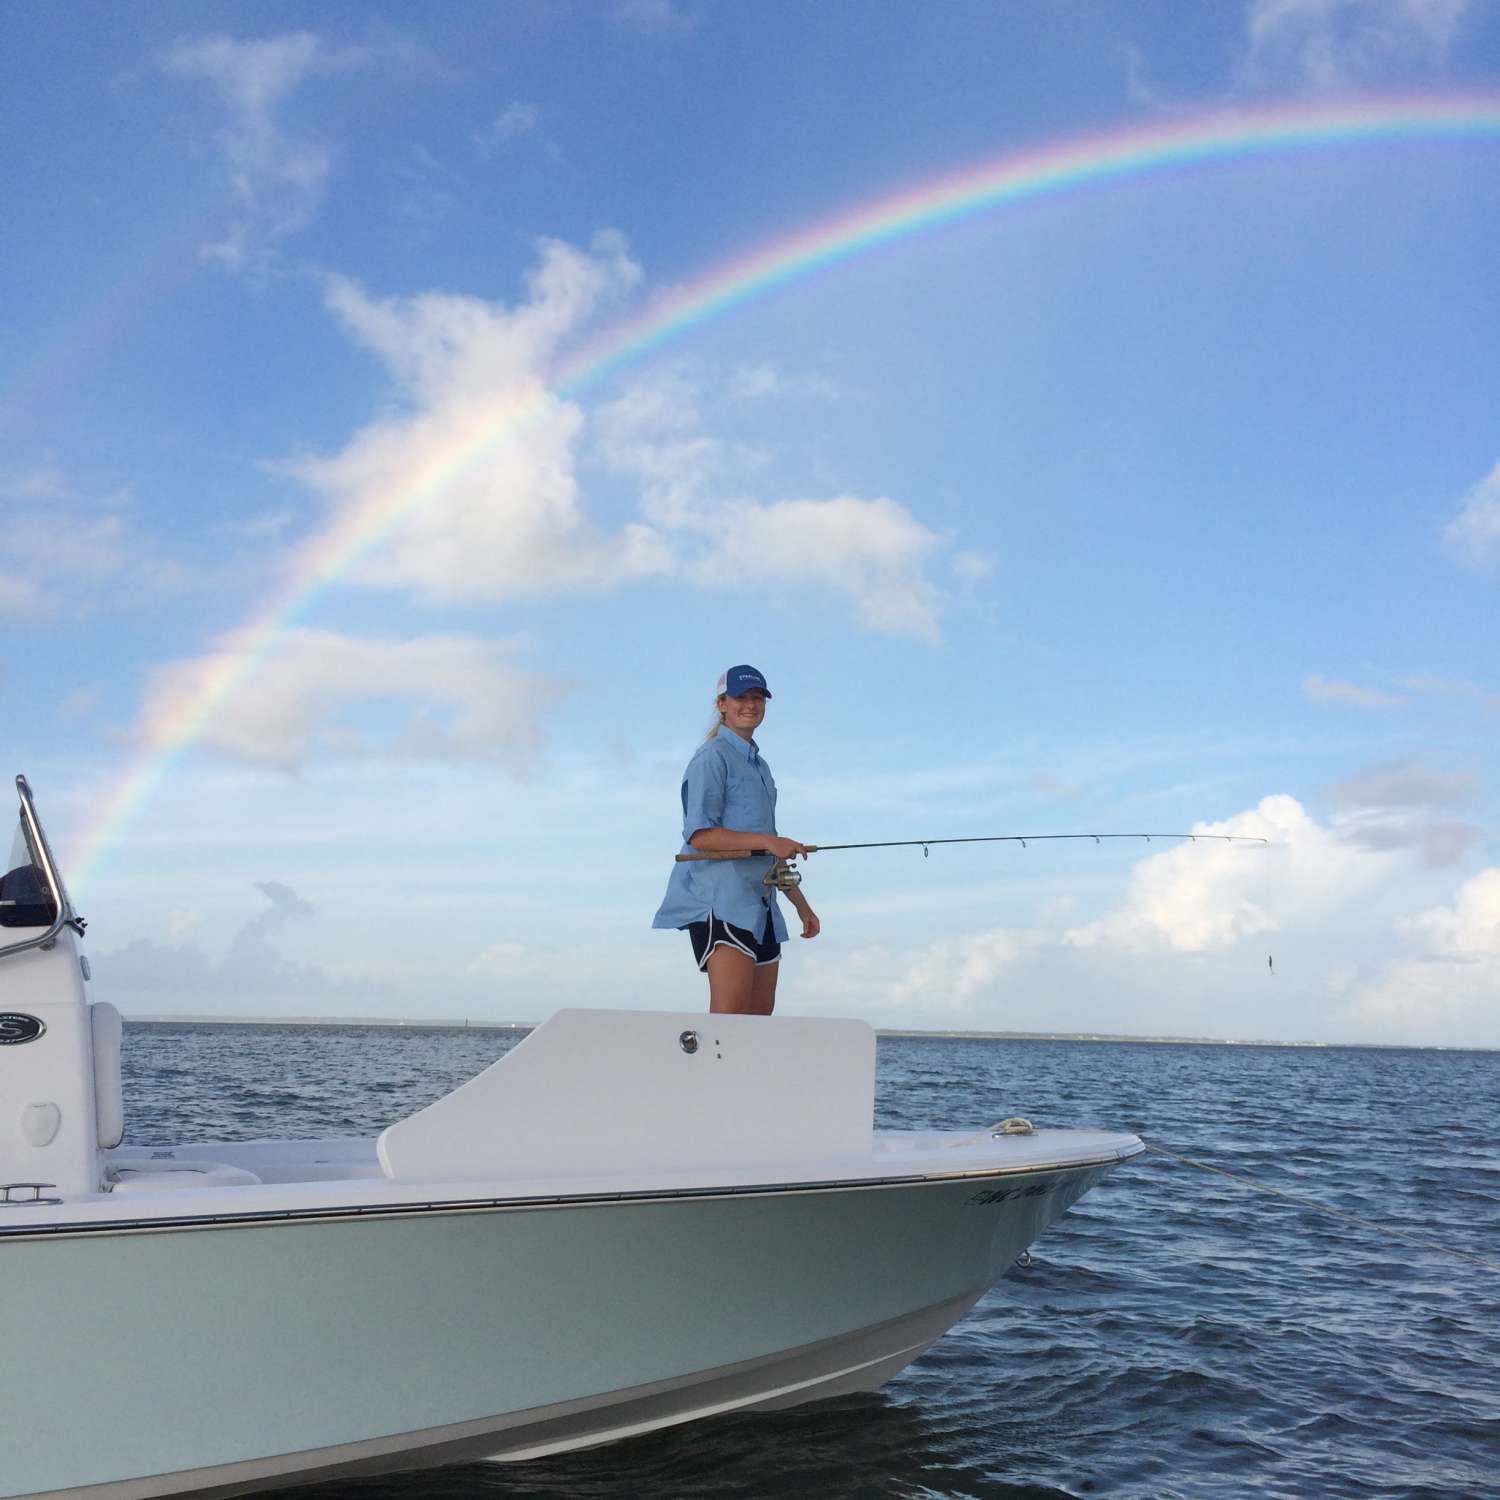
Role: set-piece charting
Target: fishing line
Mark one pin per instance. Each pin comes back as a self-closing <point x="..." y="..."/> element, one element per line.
<point x="1434" y="1246"/>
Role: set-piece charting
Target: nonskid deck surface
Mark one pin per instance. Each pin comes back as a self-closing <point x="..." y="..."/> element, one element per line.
<point x="343" y="1175"/>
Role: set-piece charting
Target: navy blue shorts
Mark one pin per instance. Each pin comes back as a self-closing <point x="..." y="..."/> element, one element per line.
<point x="708" y="935"/>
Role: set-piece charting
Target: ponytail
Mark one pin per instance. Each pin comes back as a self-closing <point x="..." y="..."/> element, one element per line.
<point x="717" y="723"/>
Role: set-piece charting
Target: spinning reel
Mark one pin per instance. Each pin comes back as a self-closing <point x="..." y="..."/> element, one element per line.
<point x="784" y="876"/>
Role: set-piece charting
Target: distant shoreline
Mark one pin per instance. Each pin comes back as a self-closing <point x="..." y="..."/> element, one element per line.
<point x="360" y="1023"/>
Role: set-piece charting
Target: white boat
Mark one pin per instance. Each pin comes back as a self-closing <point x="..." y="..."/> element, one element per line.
<point x="632" y="1219"/>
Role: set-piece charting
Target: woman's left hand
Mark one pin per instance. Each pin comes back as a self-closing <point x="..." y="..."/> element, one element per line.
<point x="811" y="926"/>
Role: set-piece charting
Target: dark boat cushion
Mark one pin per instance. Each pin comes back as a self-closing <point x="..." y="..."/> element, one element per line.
<point x="25" y="900"/>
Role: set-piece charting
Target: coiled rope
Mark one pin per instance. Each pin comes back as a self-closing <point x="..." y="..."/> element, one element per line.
<point x="1435" y="1246"/>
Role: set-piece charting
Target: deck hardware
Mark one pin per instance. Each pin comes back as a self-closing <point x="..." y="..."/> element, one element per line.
<point x="688" y="1041"/>
<point x="7" y="1188"/>
<point x="1024" y="1259"/>
<point x="1015" y="1125"/>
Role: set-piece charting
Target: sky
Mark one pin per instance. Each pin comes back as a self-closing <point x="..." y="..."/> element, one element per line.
<point x="1087" y="417"/>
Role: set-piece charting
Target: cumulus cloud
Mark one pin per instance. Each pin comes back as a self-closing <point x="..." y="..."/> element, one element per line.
<point x="465" y="699"/>
<point x="277" y="179"/>
<point x="953" y="973"/>
<point x="1194" y="898"/>
<point x="1324" y="690"/>
<point x="1449" y="991"/>
<point x="470" y="479"/>
<point x="1469" y="930"/>
<point x="1334" y="46"/>
<point x="1474" y="533"/>
<point x="872" y="553"/>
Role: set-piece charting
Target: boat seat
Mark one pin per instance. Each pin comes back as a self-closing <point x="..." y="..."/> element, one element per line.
<point x="154" y="1176"/>
<point x="107" y="1029"/>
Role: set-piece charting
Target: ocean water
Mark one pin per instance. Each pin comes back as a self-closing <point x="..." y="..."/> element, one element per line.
<point x="1177" y="1335"/>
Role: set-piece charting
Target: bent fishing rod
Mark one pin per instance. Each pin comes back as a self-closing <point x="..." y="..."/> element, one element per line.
<point x="784" y="876"/>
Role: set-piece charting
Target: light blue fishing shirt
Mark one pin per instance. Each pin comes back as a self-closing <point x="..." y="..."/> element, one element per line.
<point x="727" y="784"/>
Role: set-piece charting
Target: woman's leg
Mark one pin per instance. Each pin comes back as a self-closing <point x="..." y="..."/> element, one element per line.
<point x="763" y="995"/>
<point x="731" y="981"/>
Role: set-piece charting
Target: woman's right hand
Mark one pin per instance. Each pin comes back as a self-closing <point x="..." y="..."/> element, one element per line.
<point x="785" y="848"/>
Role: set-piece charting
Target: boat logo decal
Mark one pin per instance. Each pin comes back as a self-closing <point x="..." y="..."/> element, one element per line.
<point x="16" y="1028"/>
<point x="1001" y="1195"/>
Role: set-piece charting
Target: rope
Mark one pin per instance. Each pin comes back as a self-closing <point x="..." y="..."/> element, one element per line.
<point x="1014" y="1125"/>
<point x="1412" y="1239"/>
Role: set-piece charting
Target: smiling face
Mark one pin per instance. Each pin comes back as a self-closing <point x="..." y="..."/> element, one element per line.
<point x="743" y="715"/>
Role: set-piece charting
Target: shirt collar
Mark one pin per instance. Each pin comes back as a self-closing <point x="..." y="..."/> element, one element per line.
<point x="748" y="748"/>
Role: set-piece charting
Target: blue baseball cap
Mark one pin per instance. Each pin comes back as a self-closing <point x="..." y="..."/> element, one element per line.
<point x="738" y="681"/>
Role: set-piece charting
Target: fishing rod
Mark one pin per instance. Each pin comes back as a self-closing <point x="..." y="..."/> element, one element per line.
<point x="785" y="877"/>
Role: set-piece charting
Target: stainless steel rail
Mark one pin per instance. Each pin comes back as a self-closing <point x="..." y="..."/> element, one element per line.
<point x="37" y="840"/>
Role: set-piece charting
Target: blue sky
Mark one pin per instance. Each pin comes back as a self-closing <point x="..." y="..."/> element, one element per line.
<point x="1172" y="503"/>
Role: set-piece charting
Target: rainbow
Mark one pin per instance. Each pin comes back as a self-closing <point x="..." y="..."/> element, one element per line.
<point x="1045" y="171"/>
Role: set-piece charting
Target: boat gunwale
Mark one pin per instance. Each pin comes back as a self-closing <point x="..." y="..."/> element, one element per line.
<point x="547" y="1202"/>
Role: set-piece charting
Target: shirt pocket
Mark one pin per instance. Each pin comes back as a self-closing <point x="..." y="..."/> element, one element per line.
<point x="747" y="804"/>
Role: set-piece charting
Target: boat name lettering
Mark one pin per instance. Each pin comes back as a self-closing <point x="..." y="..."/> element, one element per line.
<point x="16" y="1028"/>
<point x="1001" y="1195"/>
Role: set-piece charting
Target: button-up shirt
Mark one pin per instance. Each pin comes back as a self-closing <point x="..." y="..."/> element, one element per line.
<point x="727" y="784"/>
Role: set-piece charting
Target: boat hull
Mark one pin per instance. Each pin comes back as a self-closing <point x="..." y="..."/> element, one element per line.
<point x="217" y="1359"/>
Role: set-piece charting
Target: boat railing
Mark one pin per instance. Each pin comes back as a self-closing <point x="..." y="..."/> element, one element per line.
<point x="41" y="854"/>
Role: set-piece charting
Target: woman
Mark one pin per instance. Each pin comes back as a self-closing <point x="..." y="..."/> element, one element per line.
<point x="729" y="802"/>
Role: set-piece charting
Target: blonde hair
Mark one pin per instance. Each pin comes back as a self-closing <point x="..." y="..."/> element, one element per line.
<point x="718" y="721"/>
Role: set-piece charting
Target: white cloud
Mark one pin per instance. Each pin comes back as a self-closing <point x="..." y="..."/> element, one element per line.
<point x="466" y="699"/>
<point x="872" y="553"/>
<point x="470" y="484"/>
<point x="277" y="180"/>
<point x="765" y="381"/>
<point x="1324" y="690"/>
<point x="953" y="973"/>
<point x="1451" y="991"/>
<point x="517" y="119"/>
<point x="1196" y="897"/>
<point x="1333" y="46"/>
<point x="1467" y="930"/>
<point x="1474" y="533"/>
